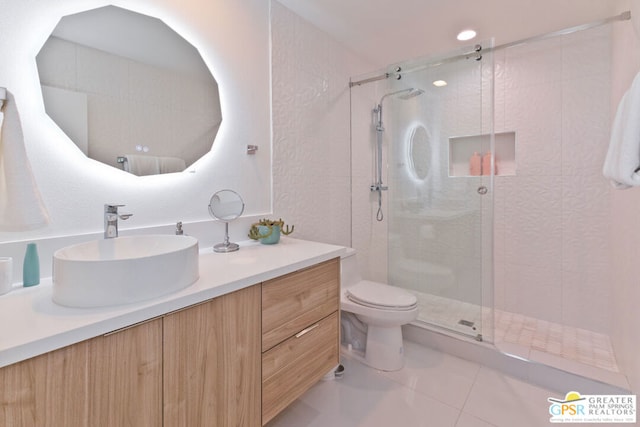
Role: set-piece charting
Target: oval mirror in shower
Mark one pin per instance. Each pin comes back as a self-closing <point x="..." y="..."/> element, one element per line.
<point x="226" y="205"/>
<point x="420" y="151"/>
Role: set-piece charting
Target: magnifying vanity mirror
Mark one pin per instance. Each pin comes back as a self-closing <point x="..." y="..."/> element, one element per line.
<point x="226" y="205"/>
<point x="129" y="91"/>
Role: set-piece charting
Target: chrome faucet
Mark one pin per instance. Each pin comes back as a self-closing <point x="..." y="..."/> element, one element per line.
<point x="111" y="217"/>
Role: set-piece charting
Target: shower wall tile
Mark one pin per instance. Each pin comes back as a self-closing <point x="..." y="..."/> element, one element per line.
<point x="499" y="95"/>
<point x="585" y="297"/>
<point x="585" y="231"/>
<point x="587" y="53"/>
<point x="534" y="291"/>
<point x="535" y="113"/>
<point x="585" y="124"/>
<point x="533" y="64"/>
<point x="533" y="229"/>
<point x="552" y="238"/>
<point x="500" y="186"/>
<point x="500" y="286"/>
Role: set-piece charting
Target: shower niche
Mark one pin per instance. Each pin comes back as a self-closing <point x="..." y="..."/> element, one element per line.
<point x="462" y="148"/>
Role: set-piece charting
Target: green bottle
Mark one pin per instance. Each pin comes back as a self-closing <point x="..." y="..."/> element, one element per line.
<point x="31" y="266"/>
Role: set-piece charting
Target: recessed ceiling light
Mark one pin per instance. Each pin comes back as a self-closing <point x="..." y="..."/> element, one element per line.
<point x="466" y="35"/>
<point x="439" y="83"/>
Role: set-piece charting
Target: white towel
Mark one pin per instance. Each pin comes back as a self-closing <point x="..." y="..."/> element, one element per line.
<point x="21" y="206"/>
<point x="171" y="164"/>
<point x="623" y="158"/>
<point x="141" y="165"/>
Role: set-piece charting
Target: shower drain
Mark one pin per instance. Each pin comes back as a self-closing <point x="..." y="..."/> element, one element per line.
<point x="468" y="323"/>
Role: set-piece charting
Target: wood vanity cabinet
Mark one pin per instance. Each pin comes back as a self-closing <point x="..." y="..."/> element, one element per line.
<point x="212" y="362"/>
<point x="233" y="361"/>
<point x="199" y="366"/>
<point x="111" y="380"/>
<point x="300" y="333"/>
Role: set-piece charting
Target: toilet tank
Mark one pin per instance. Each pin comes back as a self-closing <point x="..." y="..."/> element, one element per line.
<point x="349" y="271"/>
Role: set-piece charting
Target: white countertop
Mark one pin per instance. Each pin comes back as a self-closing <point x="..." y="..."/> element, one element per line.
<point x="32" y="324"/>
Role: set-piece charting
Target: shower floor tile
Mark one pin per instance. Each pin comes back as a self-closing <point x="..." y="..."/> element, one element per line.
<point x="521" y="335"/>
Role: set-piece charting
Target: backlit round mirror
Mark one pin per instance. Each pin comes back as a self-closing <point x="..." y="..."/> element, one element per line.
<point x="226" y="205"/>
<point x="129" y="91"/>
<point x="420" y="151"/>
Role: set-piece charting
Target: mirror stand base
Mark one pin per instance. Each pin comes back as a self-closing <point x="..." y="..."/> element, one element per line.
<point x="226" y="247"/>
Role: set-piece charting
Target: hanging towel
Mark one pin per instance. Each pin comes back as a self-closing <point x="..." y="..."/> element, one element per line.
<point x="21" y="206"/>
<point x="141" y="165"/>
<point x="171" y="164"/>
<point x="622" y="163"/>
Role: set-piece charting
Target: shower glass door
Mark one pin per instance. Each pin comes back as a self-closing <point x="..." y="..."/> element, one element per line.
<point x="440" y="175"/>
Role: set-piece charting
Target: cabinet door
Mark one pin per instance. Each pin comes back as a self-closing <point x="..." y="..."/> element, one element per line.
<point x="212" y="362"/>
<point x="125" y="377"/>
<point x="112" y="380"/>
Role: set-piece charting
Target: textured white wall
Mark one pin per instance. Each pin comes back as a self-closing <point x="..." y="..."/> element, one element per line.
<point x="312" y="149"/>
<point x="551" y="219"/>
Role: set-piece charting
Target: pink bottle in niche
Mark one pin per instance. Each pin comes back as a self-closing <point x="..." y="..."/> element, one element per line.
<point x="486" y="164"/>
<point x="475" y="164"/>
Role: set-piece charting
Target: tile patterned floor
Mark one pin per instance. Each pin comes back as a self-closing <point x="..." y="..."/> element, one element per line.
<point x="433" y="389"/>
<point x="523" y="335"/>
<point x="579" y="345"/>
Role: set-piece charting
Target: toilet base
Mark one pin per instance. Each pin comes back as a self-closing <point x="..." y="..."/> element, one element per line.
<point x="384" y="350"/>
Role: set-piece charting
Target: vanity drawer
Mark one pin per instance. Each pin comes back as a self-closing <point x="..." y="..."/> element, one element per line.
<point x="293" y="366"/>
<point x="297" y="300"/>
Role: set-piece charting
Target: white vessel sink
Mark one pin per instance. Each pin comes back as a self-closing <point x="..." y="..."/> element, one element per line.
<point x="123" y="270"/>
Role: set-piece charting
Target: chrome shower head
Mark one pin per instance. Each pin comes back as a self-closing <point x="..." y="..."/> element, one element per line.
<point x="403" y="94"/>
<point x="411" y="93"/>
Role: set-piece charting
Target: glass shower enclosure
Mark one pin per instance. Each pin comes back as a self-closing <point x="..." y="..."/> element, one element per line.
<point x="435" y="189"/>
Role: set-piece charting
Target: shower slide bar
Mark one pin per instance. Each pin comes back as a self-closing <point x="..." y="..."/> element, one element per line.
<point x="624" y="16"/>
<point x="475" y="54"/>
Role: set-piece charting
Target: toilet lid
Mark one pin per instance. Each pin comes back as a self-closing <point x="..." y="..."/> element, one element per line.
<point x="379" y="295"/>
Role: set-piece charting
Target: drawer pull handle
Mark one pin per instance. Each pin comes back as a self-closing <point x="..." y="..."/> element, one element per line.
<point x="309" y="329"/>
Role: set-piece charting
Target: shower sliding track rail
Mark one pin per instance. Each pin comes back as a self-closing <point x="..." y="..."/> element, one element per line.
<point x="476" y="54"/>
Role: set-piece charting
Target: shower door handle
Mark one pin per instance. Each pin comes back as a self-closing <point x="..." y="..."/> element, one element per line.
<point x="482" y="190"/>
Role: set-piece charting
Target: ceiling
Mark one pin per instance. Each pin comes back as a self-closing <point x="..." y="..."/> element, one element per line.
<point x="389" y="31"/>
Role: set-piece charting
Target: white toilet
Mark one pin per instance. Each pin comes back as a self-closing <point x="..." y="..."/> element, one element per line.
<point x="377" y="311"/>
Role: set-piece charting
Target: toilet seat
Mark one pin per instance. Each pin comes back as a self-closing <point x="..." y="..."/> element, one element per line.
<point x="381" y="296"/>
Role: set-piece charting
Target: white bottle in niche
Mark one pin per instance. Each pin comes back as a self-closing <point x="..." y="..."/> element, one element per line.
<point x="475" y="164"/>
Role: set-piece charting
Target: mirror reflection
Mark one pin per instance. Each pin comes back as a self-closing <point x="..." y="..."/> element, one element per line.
<point x="420" y="151"/>
<point x="129" y="91"/>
